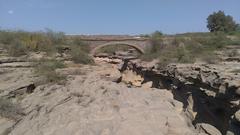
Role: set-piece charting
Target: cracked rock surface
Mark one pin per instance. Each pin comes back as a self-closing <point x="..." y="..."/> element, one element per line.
<point x="91" y="104"/>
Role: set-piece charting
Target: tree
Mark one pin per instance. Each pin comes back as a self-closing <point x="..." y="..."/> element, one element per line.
<point x="156" y="41"/>
<point x="157" y="34"/>
<point x="218" y="21"/>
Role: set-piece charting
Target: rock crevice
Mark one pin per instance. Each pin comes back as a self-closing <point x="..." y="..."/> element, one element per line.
<point x="210" y="94"/>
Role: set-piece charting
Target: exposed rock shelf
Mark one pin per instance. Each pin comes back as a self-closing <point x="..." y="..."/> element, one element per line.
<point x="210" y="93"/>
<point x="90" y="103"/>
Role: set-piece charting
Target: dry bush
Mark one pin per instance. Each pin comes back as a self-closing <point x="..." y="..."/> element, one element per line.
<point x="47" y="69"/>
<point x="16" y="48"/>
<point x="80" y="53"/>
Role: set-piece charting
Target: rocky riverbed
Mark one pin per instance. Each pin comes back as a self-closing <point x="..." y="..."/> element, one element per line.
<point x="116" y="98"/>
<point x="90" y="103"/>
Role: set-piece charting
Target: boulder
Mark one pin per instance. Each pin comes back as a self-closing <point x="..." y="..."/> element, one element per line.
<point x="147" y="85"/>
<point x="132" y="78"/>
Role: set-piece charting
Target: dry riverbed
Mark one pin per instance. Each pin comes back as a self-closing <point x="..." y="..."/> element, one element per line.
<point x="89" y="103"/>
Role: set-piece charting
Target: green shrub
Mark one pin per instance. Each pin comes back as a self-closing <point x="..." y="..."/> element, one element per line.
<point x="185" y="50"/>
<point x="81" y="57"/>
<point x="157" y="34"/>
<point x="184" y="55"/>
<point x="79" y="54"/>
<point x="156" y="42"/>
<point x="176" y="52"/>
<point x="173" y="54"/>
<point x="79" y="51"/>
<point x="216" y="41"/>
<point x="153" y="51"/>
<point x="47" y="69"/>
<point x="10" y="110"/>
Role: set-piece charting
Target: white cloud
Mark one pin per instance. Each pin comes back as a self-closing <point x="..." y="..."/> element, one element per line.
<point x="10" y="12"/>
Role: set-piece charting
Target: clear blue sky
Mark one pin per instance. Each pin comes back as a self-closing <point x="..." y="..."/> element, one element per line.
<point x="113" y="16"/>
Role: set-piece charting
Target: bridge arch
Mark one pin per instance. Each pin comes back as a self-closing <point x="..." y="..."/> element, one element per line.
<point x="137" y="47"/>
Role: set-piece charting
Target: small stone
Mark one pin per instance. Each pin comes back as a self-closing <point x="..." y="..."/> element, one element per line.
<point x="237" y="116"/>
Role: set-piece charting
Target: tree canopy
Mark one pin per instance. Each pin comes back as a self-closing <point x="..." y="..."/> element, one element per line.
<point x="218" y="21"/>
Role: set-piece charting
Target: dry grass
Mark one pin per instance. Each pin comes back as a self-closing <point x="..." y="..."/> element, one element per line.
<point x="21" y="42"/>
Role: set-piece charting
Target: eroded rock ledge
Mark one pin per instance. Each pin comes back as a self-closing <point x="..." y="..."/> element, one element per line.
<point x="210" y="93"/>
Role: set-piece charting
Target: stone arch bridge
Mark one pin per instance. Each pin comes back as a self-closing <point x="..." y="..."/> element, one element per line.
<point x="97" y="42"/>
